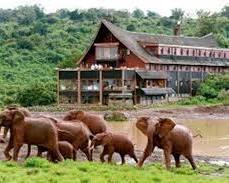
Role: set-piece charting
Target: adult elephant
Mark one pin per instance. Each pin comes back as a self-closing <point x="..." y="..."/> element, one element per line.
<point x="164" y="133"/>
<point x="26" y="130"/>
<point x="77" y="134"/>
<point x="95" y="123"/>
<point x="23" y="110"/>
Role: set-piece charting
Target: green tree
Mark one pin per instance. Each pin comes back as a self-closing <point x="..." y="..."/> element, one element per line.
<point x="137" y="13"/>
<point x="177" y="14"/>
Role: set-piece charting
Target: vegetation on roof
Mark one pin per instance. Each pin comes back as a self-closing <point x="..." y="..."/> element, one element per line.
<point x="33" y="44"/>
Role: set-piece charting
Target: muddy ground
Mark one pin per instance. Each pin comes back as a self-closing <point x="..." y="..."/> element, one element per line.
<point x="219" y="112"/>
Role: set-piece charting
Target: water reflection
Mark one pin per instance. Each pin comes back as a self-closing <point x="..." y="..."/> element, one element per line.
<point x="215" y="141"/>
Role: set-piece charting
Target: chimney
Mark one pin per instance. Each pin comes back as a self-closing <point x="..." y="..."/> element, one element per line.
<point x="177" y="29"/>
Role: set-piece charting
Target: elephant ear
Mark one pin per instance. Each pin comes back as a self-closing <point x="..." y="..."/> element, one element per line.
<point x="164" y="126"/>
<point x="18" y="117"/>
<point x="80" y="115"/>
<point x="142" y="124"/>
<point x="107" y="138"/>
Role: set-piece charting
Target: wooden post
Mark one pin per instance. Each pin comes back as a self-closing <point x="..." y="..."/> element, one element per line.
<point x="135" y="92"/>
<point x="202" y="74"/>
<point x="123" y="78"/>
<point x="79" y="88"/>
<point x="58" y="87"/>
<point x="178" y="82"/>
<point x="190" y="77"/>
<point x="100" y="87"/>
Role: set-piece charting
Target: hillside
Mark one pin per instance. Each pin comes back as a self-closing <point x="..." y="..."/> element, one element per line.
<point x="33" y="44"/>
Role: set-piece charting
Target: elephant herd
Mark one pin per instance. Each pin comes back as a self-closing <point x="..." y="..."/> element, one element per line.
<point x="80" y="130"/>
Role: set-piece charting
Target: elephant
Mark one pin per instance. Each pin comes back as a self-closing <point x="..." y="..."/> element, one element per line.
<point x="23" y="110"/>
<point x="26" y="130"/>
<point x="95" y="123"/>
<point x="114" y="143"/>
<point x="165" y="134"/>
<point x="78" y="135"/>
<point x="66" y="150"/>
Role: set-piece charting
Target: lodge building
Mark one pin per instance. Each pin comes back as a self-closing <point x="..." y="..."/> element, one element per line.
<point x="139" y="67"/>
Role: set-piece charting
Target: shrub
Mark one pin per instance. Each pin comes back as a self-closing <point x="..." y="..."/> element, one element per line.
<point x="115" y="116"/>
<point x="37" y="94"/>
<point x="212" y="86"/>
<point x="224" y="97"/>
<point x="193" y="101"/>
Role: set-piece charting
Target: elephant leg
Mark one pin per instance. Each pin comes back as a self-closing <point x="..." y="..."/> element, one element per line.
<point x="9" y="146"/>
<point x="167" y="154"/>
<point x="191" y="161"/>
<point x="74" y="155"/>
<point x="40" y="150"/>
<point x="58" y="154"/>
<point x="5" y="132"/>
<point x="147" y="152"/>
<point x="105" y="151"/>
<point x="16" y="151"/>
<point x="177" y="160"/>
<point x="123" y="158"/>
<point x="86" y="151"/>
<point x="28" y="151"/>
<point x="134" y="157"/>
<point x="110" y="154"/>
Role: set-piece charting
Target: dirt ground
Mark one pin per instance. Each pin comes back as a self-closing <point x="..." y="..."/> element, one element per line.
<point x="219" y="112"/>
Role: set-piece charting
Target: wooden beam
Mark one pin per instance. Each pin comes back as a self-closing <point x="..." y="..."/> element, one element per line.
<point x="78" y="88"/>
<point x="106" y="44"/>
<point x="58" y="88"/>
<point x="123" y="78"/>
<point x="101" y="87"/>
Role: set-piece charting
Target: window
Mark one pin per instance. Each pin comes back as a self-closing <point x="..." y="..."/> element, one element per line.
<point x="200" y="53"/>
<point x="193" y="52"/>
<point x="175" y="51"/>
<point x="168" y="50"/>
<point x="162" y="51"/>
<point x="106" y="53"/>
<point x="225" y="55"/>
<point x="167" y="67"/>
<point x="181" y="51"/>
<point x="187" y="52"/>
<point x="205" y="54"/>
<point x="210" y="54"/>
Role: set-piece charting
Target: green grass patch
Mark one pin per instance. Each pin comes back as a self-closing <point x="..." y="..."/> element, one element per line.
<point x="40" y="170"/>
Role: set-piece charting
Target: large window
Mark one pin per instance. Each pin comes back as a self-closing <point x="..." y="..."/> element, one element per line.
<point x="106" y="53"/>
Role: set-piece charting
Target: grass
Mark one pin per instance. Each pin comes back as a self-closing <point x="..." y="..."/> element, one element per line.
<point x="40" y="170"/>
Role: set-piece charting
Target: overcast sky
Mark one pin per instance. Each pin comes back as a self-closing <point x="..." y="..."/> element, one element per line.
<point x="162" y="7"/>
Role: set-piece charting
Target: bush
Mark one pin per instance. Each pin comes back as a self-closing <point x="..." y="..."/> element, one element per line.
<point x="115" y="116"/>
<point x="212" y="86"/>
<point x="193" y="101"/>
<point x="224" y="97"/>
<point x="37" y="94"/>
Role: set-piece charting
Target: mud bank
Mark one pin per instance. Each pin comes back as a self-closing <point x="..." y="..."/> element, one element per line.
<point x="214" y="112"/>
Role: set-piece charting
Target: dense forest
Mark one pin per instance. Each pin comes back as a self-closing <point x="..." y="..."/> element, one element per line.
<point x="33" y="44"/>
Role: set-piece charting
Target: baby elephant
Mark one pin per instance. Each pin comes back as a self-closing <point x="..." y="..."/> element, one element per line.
<point x="114" y="143"/>
<point x="66" y="149"/>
